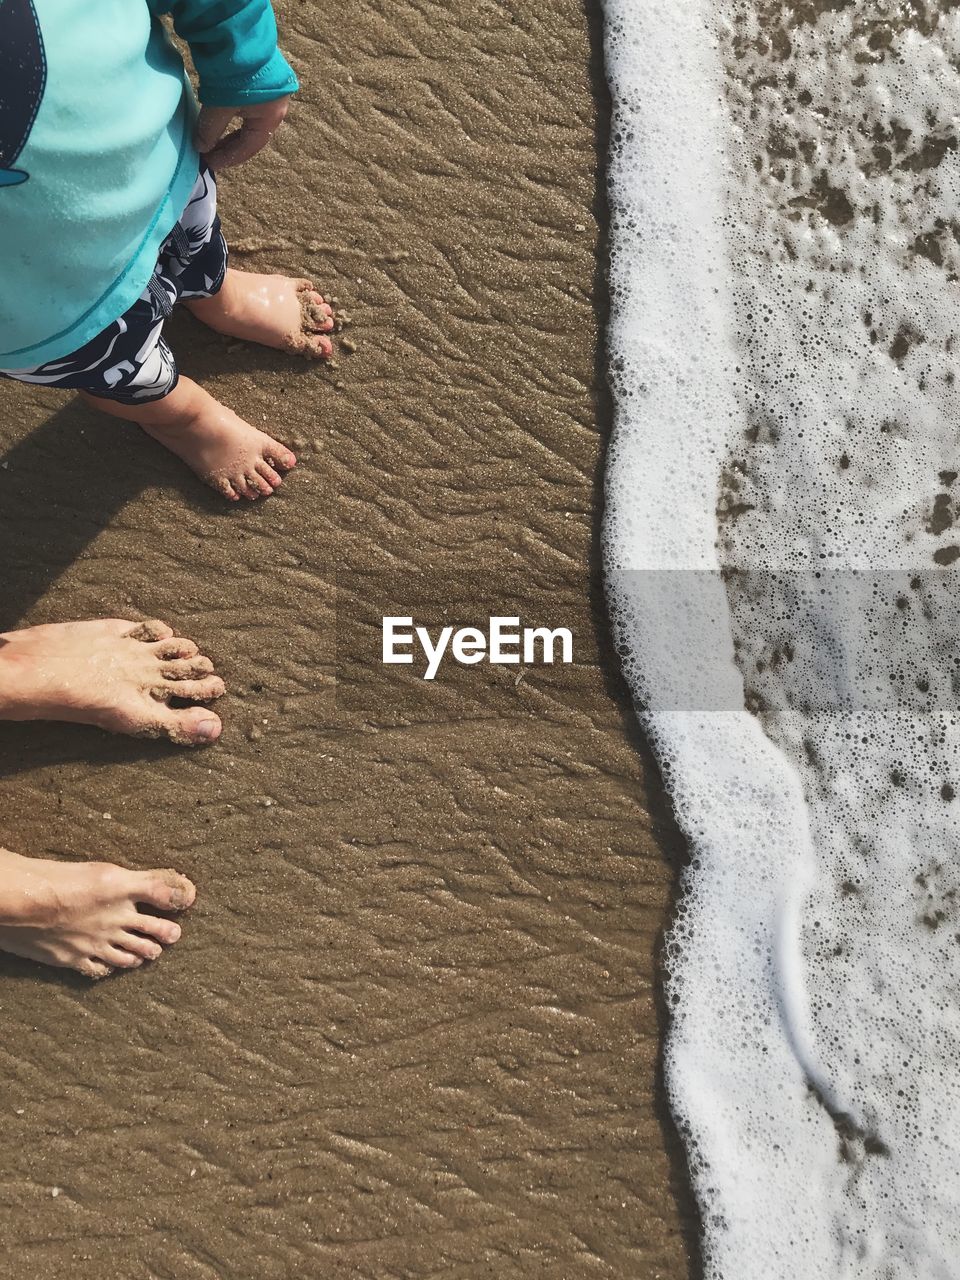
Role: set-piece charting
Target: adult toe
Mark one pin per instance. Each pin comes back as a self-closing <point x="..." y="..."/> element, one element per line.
<point x="145" y="948"/>
<point x="204" y="690"/>
<point x="119" y="958"/>
<point x="158" y="928"/>
<point x="176" y="647"/>
<point x="91" y="968"/>
<point x="168" y="890"/>
<point x="150" y="631"/>
<point x="189" y="726"/>
<point x="118" y="626"/>
<point x="187" y="668"/>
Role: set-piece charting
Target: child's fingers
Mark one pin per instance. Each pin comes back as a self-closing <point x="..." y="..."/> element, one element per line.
<point x="239" y="146"/>
<point x="260" y="122"/>
<point x="210" y="126"/>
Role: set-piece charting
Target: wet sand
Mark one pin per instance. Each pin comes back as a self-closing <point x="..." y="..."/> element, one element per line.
<point x="412" y="1026"/>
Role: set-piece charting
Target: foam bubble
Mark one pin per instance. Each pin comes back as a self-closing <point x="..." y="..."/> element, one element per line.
<point x="783" y="510"/>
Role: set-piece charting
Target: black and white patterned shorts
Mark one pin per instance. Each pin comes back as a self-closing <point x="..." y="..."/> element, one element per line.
<point x="129" y="361"/>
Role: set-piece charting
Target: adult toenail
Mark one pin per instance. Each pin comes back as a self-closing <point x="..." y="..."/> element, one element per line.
<point x="208" y="729"/>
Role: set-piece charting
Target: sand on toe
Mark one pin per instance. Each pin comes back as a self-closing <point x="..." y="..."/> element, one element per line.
<point x="412" y="1025"/>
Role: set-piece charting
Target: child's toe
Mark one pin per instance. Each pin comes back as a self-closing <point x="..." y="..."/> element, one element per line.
<point x="317" y="322"/>
<point x="319" y="346"/>
<point x="268" y="473"/>
<point x="277" y="455"/>
<point x="224" y="487"/>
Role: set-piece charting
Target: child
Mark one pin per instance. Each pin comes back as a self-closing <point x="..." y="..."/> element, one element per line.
<point x="108" y="214"/>
<point x="107" y="219"/>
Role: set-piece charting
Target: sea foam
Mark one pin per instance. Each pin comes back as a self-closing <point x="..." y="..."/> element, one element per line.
<point x="783" y="512"/>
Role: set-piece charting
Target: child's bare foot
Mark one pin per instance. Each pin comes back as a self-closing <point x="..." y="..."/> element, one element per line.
<point x="231" y="456"/>
<point x="114" y="674"/>
<point x="86" y="915"/>
<point x="275" y="311"/>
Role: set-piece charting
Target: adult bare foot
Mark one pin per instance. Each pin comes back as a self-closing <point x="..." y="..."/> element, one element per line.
<point x="276" y="311"/>
<point x="231" y="456"/>
<point x="116" y="674"/>
<point x="87" y="915"/>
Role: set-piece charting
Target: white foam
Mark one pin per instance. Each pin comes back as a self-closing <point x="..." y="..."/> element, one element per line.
<point x="785" y="230"/>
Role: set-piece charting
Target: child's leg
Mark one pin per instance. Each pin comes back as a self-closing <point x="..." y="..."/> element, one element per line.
<point x="87" y="915"/>
<point x="234" y="458"/>
<point x="274" y="311"/>
<point x="129" y="372"/>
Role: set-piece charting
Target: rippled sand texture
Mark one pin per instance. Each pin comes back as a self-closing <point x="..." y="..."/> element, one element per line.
<point x="411" y="1027"/>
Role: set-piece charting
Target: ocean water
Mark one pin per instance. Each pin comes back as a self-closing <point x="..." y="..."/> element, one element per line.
<point x="782" y="544"/>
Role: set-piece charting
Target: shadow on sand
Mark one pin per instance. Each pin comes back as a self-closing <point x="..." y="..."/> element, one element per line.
<point x="59" y="487"/>
<point x="64" y="483"/>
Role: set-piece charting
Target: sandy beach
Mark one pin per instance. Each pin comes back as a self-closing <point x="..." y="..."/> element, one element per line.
<point x="412" y="1027"/>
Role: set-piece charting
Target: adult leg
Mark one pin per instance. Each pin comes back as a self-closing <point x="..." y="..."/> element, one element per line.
<point x="87" y="916"/>
<point x="116" y="674"/>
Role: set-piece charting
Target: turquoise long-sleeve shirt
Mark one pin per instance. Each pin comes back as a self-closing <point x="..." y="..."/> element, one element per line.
<point x="97" y="157"/>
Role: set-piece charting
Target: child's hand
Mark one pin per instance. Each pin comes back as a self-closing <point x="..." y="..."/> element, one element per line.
<point x="261" y="120"/>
